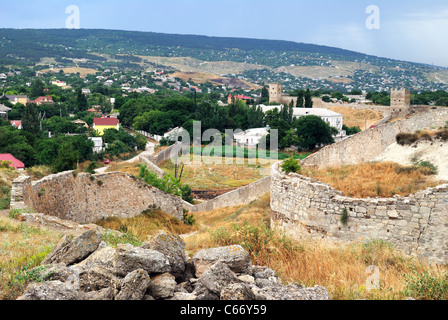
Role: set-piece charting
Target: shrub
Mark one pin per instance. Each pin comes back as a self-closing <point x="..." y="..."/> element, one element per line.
<point x="427" y="286"/>
<point x="189" y="219"/>
<point x="406" y="139"/>
<point x="344" y="217"/>
<point x="442" y="135"/>
<point x="291" y="165"/>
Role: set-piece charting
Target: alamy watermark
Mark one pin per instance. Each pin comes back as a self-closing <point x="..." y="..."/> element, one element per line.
<point x="373" y="281"/>
<point x="74" y="19"/>
<point x="221" y="149"/>
<point x="373" y="21"/>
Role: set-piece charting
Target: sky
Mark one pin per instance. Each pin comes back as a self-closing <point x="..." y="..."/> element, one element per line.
<point x="407" y="30"/>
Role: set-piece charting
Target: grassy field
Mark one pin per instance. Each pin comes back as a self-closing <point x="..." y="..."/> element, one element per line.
<point x="384" y="179"/>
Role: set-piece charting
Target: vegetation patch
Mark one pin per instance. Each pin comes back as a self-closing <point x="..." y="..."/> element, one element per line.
<point x="384" y="179"/>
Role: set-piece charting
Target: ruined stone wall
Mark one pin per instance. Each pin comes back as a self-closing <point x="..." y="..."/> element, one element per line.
<point x="369" y="144"/>
<point x="236" y="197"/>
<point x="166" y="154"/>
<point x="86" y="198"/>
<point x="306" y="208"/>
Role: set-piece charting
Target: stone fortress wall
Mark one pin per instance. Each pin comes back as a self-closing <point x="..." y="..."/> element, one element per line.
<point x="418" y="224"/>
<point x="86" y="198"/>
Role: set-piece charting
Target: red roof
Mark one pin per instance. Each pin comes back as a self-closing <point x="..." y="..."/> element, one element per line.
<point x="16" y="124"/>
<point x="106" y="121"/>
<point x="17" y="164"/>
<point x="241" y="97"/>
<point x="47" y="99"/>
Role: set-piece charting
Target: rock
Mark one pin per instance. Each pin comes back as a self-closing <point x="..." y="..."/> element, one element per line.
<point x="52" y="272"/>
<point x="235" y="257"/>
<point x="202" y="293"/>
<point x="52" y="290"/>
<point x="134" y="286"/>
<point x="173" y="247"/>
<point x="101" y="295"/>
<point x="182" y="296"/>
<point x="98" y="278"/>
<point x="292" y="292"/>
<point x="72" y="250"/>
<point x="217" y="277"/>
<point x="104" y="258"/>
<point x="237" y="291"/>
<point x="162" y="286"/>
<point x="130" y="258"/>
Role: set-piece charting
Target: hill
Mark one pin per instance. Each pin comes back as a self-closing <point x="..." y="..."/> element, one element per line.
<point x="254" y="60"/>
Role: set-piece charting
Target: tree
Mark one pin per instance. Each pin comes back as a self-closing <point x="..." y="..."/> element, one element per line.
<point x="312" y="132"/>
<point x="308" y="99"/>
<point x="264" y="96"/>
<point x="37" y="89"/>
<point x="300" y="99"/>
<point x="30" y="121"/>
<point x="67" y="158"/>
<point x="81" y="101"/>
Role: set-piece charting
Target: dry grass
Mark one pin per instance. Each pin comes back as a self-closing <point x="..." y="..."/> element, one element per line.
<point x="219" y="176"/>
<point x="340" y="269"/>
<point x="384" y="179"/>
<point x="363" y="119"/>
<point x="22" y="248"/>
<point x="147" y="224"/>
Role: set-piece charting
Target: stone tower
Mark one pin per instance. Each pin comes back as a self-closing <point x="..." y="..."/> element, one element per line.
<point x="275" y="93"/>
<point x="400" y="100"/>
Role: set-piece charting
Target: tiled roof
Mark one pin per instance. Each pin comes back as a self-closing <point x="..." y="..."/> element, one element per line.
<point x="15" y="163"/>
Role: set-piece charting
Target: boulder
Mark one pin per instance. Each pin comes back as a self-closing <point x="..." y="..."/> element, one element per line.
<point x="98" y="278"/>
<point x="217" y="277"/>
<point x="130" y="258"/>
<point x="51" y="291"/>
<point x="291" y="292"/>
<point x="71" y="250"/>
<point x="173" y="247"/>
<point x="134" y="286"/>
<point x="235" y="257"/>
<point x="106" y="294"/>
<point x="237" y="291"/>
<point x="104" y="257"/>
<point x="162" y="286"/>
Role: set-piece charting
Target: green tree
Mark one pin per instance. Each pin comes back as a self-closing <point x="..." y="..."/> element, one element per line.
<point x="312" y="132"/>
<point x="30" y="121"/>
<point x="308" y="99"/>
<point x="81" y="101"/>
<point x="264" y="96"/>
<point x="67" y="158"/>
<point x="37" y="89"/>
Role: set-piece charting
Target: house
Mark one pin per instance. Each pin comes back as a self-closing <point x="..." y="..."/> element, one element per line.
<point x="4" y="111"/>
<point x="239" y="97"/>
<point x="14" y="163"/>
<point x="43" y="100"/>
<point x="59" y="83"/>
<point x="104" y="123"/>
<point x="97" y="144"/>
<point x="86" y="91"/>
<point x="17" y="124"/>
<point x="23" y="99"/>
<point x="332" y="118"/>
<point x="95" y="110"/>
<point x="251" y="137"/>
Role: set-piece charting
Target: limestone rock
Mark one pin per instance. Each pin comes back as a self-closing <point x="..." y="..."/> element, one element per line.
<point x="134" y="286"/>
<point x="104" y="257"/>
<point x="235" y="257"/>
<point x="173" y="247"/>
<point x="101" y="295"/>
<point x="293" y="292"/>
<point x="50" y="291"/>
<point x="162" y="286"/>
<point x="98" y="278"/>
<point x="237" y="291"/>
<point x="130" y="258"/>
<point x="217" y="277"/>
<point x="72" y="250"/>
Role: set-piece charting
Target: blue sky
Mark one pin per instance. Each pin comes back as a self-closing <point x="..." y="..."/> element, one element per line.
<point x="409" y="30"/>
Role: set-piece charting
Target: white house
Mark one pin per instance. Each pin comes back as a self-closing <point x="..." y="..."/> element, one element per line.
<point x="251" y="137"/>
<point x="97" y="144"/>
<point x="332" y="118"/>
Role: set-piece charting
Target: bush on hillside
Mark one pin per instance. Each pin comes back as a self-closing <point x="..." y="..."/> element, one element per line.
<point x="406" y="139"/>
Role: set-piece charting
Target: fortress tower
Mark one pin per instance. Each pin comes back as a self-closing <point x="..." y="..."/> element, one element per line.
<point x="400" y="100"/>
<point x="275" y="93"/>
